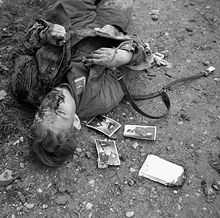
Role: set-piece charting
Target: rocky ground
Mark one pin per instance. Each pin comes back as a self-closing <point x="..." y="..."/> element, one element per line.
<point x="190" y="31"/>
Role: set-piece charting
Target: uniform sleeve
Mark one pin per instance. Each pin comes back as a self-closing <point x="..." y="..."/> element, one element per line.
<point x="142" y="56"/>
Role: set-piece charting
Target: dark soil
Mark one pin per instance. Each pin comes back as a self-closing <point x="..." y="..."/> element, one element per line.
<point x="190" y="31"/>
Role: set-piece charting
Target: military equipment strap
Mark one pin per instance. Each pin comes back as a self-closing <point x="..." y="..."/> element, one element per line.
<point x="162" y="93"/>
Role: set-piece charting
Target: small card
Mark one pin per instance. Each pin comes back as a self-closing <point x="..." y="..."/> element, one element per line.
<point x="162" y="171"/>
<point x="107" y="153"/>
<point x="140" y="132"/>
<point x="104" y="124"/>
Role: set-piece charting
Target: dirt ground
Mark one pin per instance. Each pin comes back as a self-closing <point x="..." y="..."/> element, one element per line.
<point x="190" y="31"/>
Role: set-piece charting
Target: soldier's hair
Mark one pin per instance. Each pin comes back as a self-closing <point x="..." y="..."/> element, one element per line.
<point x="50" y="148"/>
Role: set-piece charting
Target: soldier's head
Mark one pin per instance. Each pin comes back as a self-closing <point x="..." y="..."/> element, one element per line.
<point x="53" y="127"/>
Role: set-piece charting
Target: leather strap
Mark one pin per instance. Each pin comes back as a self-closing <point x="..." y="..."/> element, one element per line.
<point x="165" y="98"/>
<point x="162" y="93"/>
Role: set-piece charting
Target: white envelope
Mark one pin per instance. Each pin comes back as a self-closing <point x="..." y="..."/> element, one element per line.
<point x="162" y="171"/>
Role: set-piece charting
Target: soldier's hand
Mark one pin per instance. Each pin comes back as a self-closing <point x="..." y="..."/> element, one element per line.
<point x="109" y="57"/>
<point x="55" y="34"/>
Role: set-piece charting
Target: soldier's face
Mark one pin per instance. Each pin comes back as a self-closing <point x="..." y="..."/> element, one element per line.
<point x="58" y="111"/>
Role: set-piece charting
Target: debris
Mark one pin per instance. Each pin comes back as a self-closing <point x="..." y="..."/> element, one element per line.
<point x="210" y="69"/>
<point x="123" y="157"/>
<point x="154" y="14"/>
<point x="12" y="216"/>
<point x="44" y="206"/>
<point x="160" y="61"/>
<point x="3" y="94"/>
<point x="129" y="213"/>
<point x="216" y="186"/>
<point x="6" y="178"/>
<point x="61" y="199"/>
<point x="89" y="206"/>
<point x="88" y="155"/>
<point x="217" y="79"/>
<point x="132" y="170"/>
<point x="188" y="29"/>
<point x="92" y="182"/>
<point x="3" y="67"/>
<point x="104" y="125"/>
<point x="162" y="171"/>
<point x="22" y="165"/>
<point x="131" y="182"/>
<point x="168" y="75"/>
<point x="39" y="190"/>
<point x="29" y="205"/>
<point x="206" y="63"/>
<point x="140" y="132"/>
<point x="21" y="197"/>
<point x="107" y="153"/>
<point x="175" y="192"/>
<point x="184" y="117"/>
<point x="215" y="163"/>
<point x="20" y="140"/>
<point x="135" y="145"/>
<point x="208" y="191"/>
<point x="124" y="114"/>
<point x="141" y="190"/>
<point x="78" y="150"/>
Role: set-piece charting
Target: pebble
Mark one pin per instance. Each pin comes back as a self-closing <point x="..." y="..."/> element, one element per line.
<point x="22" y="165"/>
<point x="132" y="170"/>
<point x="135" y="145"/>
<point x="154" y="14"/>
<point x="39" y="190"/>
<point x="92" y="183"/>
<point x="3" y="94"/>
<point x="131" y="182"/>
<point x="141" y="190"/>
<point x="61" y="199"/>
<point x="180" y="123"/>
<point x="188" y="29"/>
<point x="78" y="150"/>
<point x="89" y="206"/>
<point x="175" y="192"/>
<point x="29" y="205"/>
<point x="88" y="155"/>
<point x="129" y="214"/>
<point x="44" y="206"/>
<point x="206" y="63"/>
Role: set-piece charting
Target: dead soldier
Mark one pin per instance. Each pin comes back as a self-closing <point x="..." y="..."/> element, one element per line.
<point x="68" y="67"/>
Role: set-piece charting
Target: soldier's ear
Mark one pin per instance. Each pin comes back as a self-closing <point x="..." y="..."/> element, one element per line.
<point x="76" y="122"/>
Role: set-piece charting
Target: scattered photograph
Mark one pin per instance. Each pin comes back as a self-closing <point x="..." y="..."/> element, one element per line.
<point x="140" y="132"/>
<point x="107" y="153"/>
<point x="104" y="124"/>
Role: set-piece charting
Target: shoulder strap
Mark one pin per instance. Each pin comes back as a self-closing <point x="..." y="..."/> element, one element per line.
<point x="162" y="93"/>
<point x="165" y="98"/>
